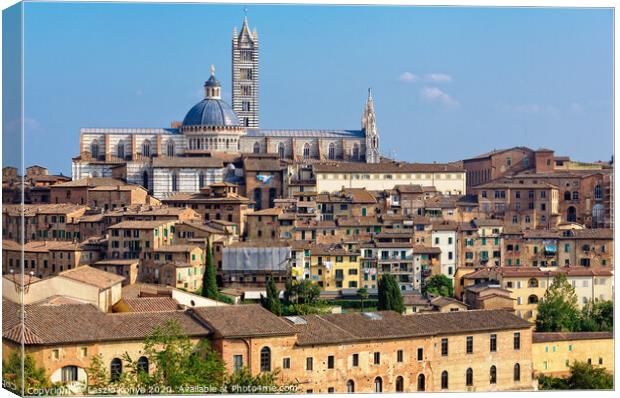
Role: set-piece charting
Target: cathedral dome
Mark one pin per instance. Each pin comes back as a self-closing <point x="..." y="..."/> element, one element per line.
<point x="211" y="111"/>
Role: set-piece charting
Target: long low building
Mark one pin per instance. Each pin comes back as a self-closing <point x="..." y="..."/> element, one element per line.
<point x="553" y="353"/>
<point x="356" y="352"/>
<point x="446" y="178"/>
<point x="378" y="351"/>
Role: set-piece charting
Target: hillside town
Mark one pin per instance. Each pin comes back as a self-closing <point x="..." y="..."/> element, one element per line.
<point x="305" y="259"/>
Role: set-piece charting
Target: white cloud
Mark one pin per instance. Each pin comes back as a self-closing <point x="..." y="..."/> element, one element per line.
<point x="408" y="77"/>
<point x="438" y="77"/>
<point x="434" y="94"/>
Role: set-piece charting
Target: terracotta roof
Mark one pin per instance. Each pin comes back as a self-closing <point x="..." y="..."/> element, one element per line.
<point x="351" y="327"/>
<point x="568" y="336"/>
<point x="118" y="187"/>
<point x="45" y="246"/>
<point x="176" y="248"/>
<point x="443" y="301"/>
<point x="136" y="224"/>
<point x="243" y="321"/>
<point x="92" y="276"/>
<point x="391" y="167"/>
<point x="274" y="211"/>
<point x="71" y="323"/>
<point x="258" y="164"/>
<point x="33" y="209"/>
<point x="498" y="151"/>
<point x="151" y="304"/>
<point x="89" y="182"/>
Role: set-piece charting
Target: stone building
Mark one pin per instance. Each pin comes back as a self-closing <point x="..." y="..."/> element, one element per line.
<point x="377" y="352"/>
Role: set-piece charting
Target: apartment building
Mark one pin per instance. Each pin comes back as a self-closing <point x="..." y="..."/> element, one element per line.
<point x="333" y="267"/>
<point x="139" y="239"/>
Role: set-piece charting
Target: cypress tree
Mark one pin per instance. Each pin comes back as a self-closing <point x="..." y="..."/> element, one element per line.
<point x="390" y="297"/>
<point x="272" y="301"/>
<point x="209" y="283"/>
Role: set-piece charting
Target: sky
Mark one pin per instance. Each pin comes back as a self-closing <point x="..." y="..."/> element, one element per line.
<point x="449" y="83"/>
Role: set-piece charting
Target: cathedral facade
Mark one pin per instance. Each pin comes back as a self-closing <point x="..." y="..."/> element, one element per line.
<point x="200" y="150"/>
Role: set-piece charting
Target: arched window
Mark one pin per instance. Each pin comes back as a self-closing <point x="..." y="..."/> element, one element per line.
<point x="145" y="180"/>
<point x="116" y="368"/>
<point x="281" y="150"/>
<point x="421" y="382"/>
<point x="175" y="181"/>
<point x="571" y="214"/>
<point x="350" y="386"/>
<point x="378" y="384"/>
<point x="576" y="195"/>
<point x="533" y="299"/>
<point x="69" y="374"/>
<point x="444" y="380"/>
<point x="256" y="147"/>
<point x="331" y="152"/>
<point x="120" y="150"/>
<point x="94" y="149"/>
<point x="598" y="215"/>
<point x="493" y="375"/>
<point x="306" y="151"/>
<point x="170" y="148"/>
<point x="143" y="364"/>
<point x="146" y="148"/>
<point x="567" y="195"/>
<point x="201" y="179"/>
<point x="533" y="282"/>
<point x="598" y="192"/>
<point x="517" y="372"/>
<point x="400" y="384"/>
<point x="356" y="152"/>
<point x="265" y="359"/>
<point x="469" y="377"/>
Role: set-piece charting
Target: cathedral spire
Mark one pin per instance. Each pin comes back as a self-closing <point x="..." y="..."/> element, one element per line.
<point x="245" y="77"/>
<point x="369" y="127"/>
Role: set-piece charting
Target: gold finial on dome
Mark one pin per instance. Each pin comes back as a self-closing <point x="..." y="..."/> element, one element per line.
<point x="212" y="70"/>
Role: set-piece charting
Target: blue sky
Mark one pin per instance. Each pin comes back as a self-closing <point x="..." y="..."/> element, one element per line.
<point x="449" y="83"/>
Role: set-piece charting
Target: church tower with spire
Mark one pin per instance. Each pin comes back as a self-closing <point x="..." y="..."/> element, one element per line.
<point x="245" y="75"/>
<point x="369" y="127"/>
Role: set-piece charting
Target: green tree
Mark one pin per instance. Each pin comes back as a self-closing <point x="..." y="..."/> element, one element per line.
<point x="362" y="293"/>
<point x="301" y="292"/>
<point x="551" y="383"/>
<point x="439" y="285"/>
<point x="585" y="376"/>
<point x="178" y="363"/>
<point x="209" y="282"/>
<point x="98" y="377"/>
<point x="597" y="316"/>
<point x="33" y="377"/>
<point x="272" y="301"/>
<point x="390" y="296"/>
<point x="558" y="311"/>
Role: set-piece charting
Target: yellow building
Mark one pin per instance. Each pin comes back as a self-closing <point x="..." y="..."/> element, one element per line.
<point x="334" y="267"/>
<point x="527" y="285"/>
<point x="553" y="353"/>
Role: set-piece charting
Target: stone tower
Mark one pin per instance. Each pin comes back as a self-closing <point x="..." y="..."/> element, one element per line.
<point x="245" y="75"/>
<point x="369" y="126"/>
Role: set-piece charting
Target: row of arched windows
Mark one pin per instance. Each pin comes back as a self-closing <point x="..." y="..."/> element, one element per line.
<point x="265" y="366"/>
<point x="121" y="152"/>
<point x="116" y="367"/>
<point x="331" y="151"/>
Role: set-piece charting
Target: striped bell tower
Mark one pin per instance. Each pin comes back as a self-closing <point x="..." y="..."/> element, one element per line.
<point x="245" y="75"/>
